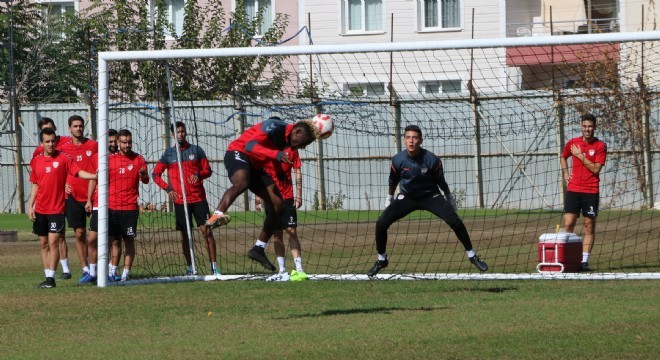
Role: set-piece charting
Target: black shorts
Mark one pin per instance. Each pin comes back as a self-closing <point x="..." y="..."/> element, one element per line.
<point x="289" y="216"/>
<point x="122" y="223"/>
<point x="198" y="210"/>
<point x="48" y="223"/>
<point x="259" y="180"/>
<point x="94" y="221"/>
<point x="76" y="215"/>
<point x="577" y="202"/>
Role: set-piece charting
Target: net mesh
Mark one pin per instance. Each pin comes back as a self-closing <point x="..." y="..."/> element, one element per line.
<point x="497" y="117"/>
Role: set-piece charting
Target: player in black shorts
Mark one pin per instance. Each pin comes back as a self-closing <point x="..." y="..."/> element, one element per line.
<point x="420" y="176"/>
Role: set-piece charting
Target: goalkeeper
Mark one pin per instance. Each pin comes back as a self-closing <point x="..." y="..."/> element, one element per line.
<point x="244" y="160"/>
<point x="420" y="176"/>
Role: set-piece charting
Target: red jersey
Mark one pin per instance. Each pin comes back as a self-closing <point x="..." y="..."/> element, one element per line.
<point x="123" y="179"/>
<point x="193" y="161"/>
<point x="582" y="179"/>
<point x="50" y="174"/>
<point x="60" y="141"/>
<point x="281" y="173"/>
<point x="82" y="155"/>
<point x="264" y="141"/>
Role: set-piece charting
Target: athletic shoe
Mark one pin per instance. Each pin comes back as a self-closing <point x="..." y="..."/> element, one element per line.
<point x="49" y="283"/>
<point x="480" y="264"/>
<point x="216" y="272"/>
<point x="217" y="220"/>
<point x="190" y="272"/>
<point x="258" y="254"/>
<point x="298" y="276"/>
<point x="84" y="275"/>
<point x="378" y="266"/>
<point x="584" y="267"/>
<point x="65" y="276"/>
<point x="87" y="278"/>
<point x="279" y="277"/>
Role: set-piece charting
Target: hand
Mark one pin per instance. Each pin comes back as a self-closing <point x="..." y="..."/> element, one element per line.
<point x="193" y="179"/>
<point x="567" y="177"/>
<point x="298" y="203"/>
<point x="173" y="195"/>
<point x="88" y="206"/>
<point x="575" y="150"/>
<point x="258" y="203"/>
<point x="388" y="200"/>
<point x="31" y="215"/>
<point x="451" y="201"/>
<point x="67" y="189"/>
<point x="285" y="159"/>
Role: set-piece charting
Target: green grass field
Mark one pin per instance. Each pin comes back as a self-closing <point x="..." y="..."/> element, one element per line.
<point x="321" y="319"/>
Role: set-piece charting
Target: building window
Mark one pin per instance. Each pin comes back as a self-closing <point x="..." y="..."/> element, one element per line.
<point x="363" y="15"/>
<point x="175" y="16"/>
<point x="365" y="89"/>
<point x="439" y="14"/>
<point x="440" y="87"/>
<point x="264" y="7"/>
<point x="55" y="13"/>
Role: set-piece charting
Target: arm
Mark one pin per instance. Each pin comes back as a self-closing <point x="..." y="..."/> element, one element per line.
<point x="204" y="166"/>
<point x="563" y="163"/>
<point x="86" y="175"/>
<point x="591" y="166"/>
<point x="298" y="198"/>
<point x="31" y="201"/>
<point x="90" y="191"/>
<point x="144" y="174"/>
<point x="157" y="176"/>
<point x="393" y="182"/>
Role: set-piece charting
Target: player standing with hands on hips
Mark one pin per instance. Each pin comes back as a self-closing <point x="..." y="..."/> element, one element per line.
<point x="420" y="176"/>
<point x="582" y="194"/>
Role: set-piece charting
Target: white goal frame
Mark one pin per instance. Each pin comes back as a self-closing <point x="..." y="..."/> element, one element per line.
<point x="103" y="94"/>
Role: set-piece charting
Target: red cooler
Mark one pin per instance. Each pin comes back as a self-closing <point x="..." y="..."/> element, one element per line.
<point x="559" y="252"/>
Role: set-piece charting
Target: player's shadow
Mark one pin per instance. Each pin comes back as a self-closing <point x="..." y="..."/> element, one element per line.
<point x="488" y="289"/>
<point x="379" y="310"/>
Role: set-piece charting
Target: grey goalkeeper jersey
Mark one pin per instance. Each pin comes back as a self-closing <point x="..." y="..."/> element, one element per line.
<point x="418" y="177"/>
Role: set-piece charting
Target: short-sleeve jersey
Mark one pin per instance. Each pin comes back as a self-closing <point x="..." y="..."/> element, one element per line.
<point x="82" y="155"/>
<point x="582" y="179"/>
<point x="263" y="141"/>
<point x="123" y="180"/>
<point x="417" y="176"/>
<point x="281" y="172"/>
<point x="50" y="174"/>
<point x="60" y="141"/>
<point x="193" y="161"/>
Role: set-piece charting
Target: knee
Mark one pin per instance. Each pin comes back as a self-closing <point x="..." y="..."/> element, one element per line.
<point x="454" y="222"/>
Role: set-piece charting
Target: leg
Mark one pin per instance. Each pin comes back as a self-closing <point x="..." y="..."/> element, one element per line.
<point x="278" y="244"/>
<point x="399" y="208"/>
<point x="129" y="242"/>
<point x="92" y="251"/>
<point x="238" y="169"/>
<point x="439" y="206"/>
<point x="81" y="245"/>
<point x="44" y="251"/>
<point x="185" y="247"/>
<point x="589" y="234"/>
<point x="54" y="253"/>
<point x="271" y="197"/>
<point x="569" y="222"/>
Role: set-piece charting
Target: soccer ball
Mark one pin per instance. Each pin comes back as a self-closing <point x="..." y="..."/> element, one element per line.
<point x="324" y="125"/>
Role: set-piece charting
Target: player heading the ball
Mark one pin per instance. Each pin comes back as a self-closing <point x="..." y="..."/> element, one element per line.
<point x="245" y="159"/>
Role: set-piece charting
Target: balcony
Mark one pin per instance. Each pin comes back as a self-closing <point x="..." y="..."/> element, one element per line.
<point x="570" y="27"/>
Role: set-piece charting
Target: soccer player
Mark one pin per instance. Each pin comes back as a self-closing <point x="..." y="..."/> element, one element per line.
<point x="195" y="168"/>
<point x="92" y="207"/>
<point x="48" y="176"/>
<point x="43" y="123"/>
<point x="82" y="150"/>
<point x="420" y="177"/>
<point x="244" y="159"/>
<point x="281" y="174"/>
<point x="125" y="171"/>
<point x="582" y="194"/>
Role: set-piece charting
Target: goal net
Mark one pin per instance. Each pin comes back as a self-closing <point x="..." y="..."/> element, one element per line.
<point x="496" y="111"/>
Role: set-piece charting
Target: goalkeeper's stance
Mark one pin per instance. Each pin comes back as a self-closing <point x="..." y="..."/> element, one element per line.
<point x="244" y="160"/>
<point x="420" y="176"/>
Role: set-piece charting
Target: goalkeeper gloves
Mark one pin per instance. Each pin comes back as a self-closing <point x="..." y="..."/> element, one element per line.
<point x="388" y="200"/>
<point x="451" y="201"/>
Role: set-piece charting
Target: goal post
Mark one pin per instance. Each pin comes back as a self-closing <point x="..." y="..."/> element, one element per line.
<point x="504" y="170"/>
